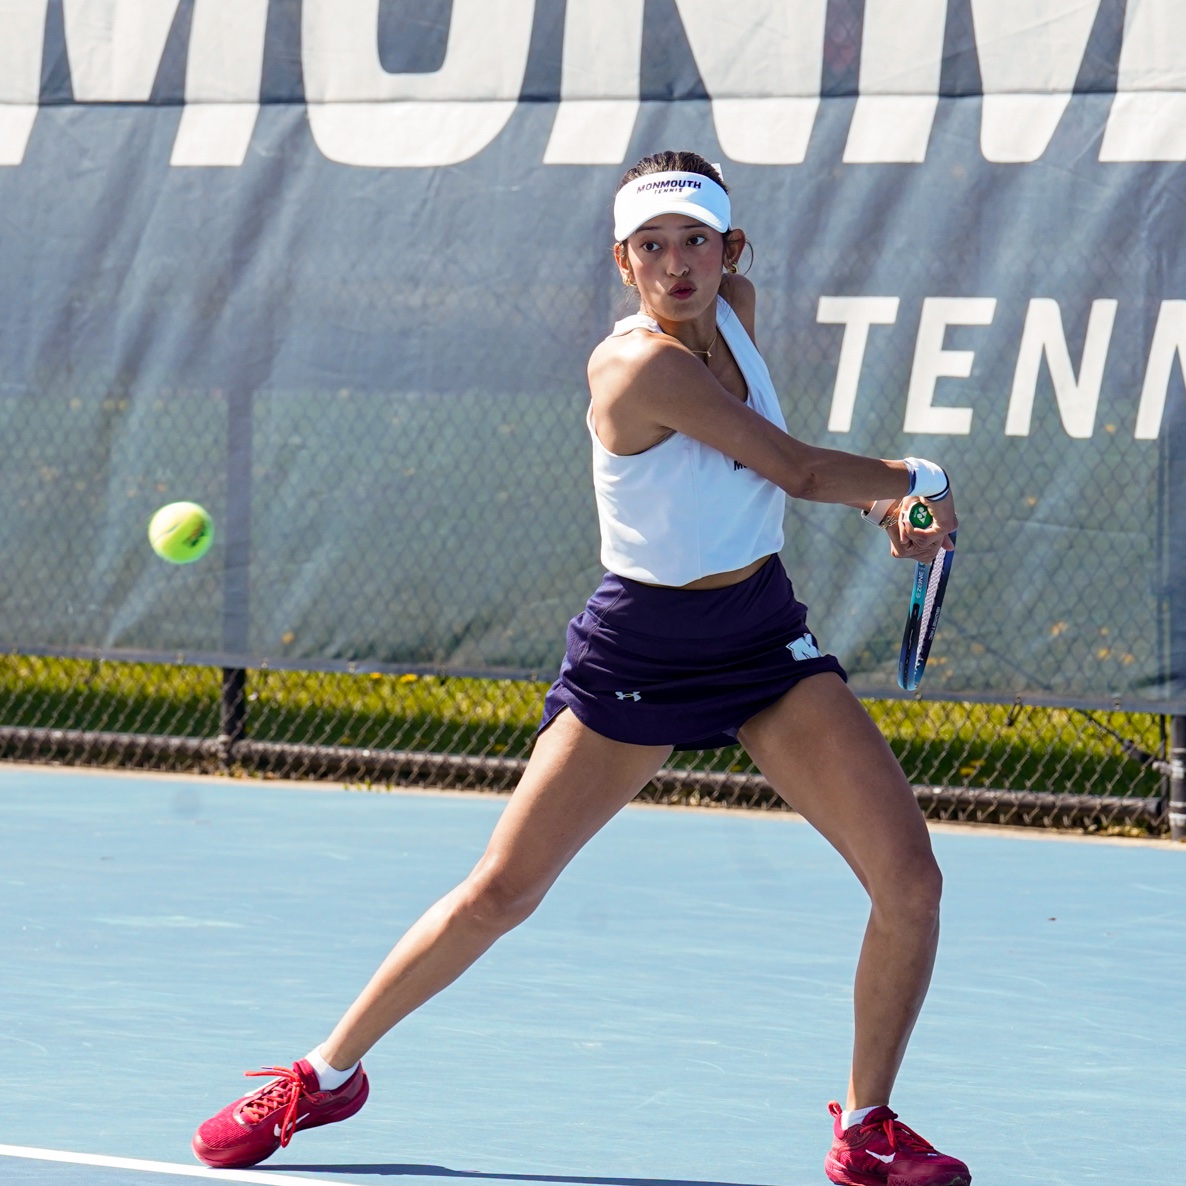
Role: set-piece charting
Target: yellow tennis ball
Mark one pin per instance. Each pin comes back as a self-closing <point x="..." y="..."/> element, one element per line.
<point x="181" y="532"/>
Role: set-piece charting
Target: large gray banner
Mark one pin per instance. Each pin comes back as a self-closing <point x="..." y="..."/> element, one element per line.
<point x="333" y="270"/>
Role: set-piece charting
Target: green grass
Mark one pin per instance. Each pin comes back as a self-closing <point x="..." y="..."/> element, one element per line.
<point x="953" y="744"/>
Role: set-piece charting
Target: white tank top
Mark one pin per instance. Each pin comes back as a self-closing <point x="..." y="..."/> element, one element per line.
<point x="682" y="509"/>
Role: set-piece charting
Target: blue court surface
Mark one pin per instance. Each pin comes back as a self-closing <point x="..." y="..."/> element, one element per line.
<point x="677" y="1012"/>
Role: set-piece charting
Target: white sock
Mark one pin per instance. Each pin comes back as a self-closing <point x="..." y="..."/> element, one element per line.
<point x="848" y="1119"/>
<point x="330" y="1078"/>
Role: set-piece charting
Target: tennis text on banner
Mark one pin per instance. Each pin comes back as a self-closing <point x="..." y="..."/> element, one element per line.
<point x="1043" y="345"/>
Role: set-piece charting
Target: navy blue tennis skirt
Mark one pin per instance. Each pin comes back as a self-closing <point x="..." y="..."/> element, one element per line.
<point x="661" y="666"/>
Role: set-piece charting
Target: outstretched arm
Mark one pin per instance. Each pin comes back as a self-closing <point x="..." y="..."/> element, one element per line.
<point x="666" y="387"/>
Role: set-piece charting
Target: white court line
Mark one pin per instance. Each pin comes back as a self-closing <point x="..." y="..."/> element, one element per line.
<point x="152" y="1167"/>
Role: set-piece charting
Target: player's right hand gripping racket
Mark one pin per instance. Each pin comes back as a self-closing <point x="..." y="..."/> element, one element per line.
<point x="926" y="600"/>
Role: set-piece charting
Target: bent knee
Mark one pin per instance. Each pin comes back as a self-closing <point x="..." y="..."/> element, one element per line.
<point x="498" y="899"/>
<point x="909" y="889"/>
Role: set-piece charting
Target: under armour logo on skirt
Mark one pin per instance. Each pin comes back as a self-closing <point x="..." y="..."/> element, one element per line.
<point x="628" y="695"/>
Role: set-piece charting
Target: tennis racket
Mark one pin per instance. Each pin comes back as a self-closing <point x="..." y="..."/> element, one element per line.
<point x="926" y="600"/>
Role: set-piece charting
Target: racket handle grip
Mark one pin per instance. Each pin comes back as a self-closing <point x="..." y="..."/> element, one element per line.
<point x="920" y="515"/>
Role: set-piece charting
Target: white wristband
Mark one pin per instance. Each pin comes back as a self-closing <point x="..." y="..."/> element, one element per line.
<point x="927" y="480"/>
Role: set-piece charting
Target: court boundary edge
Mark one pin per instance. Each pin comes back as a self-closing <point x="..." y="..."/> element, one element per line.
<point x="105" y="1161"/>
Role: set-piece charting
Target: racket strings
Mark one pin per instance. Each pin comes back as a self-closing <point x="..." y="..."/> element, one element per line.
<point x="934" y="580"/>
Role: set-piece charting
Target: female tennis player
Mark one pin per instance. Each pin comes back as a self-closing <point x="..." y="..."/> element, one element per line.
<point x="693" y="639"/>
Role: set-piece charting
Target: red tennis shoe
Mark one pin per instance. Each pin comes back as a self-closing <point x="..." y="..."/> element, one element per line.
<point x="882" y="1151"/>
<point x="255" y="1126"/>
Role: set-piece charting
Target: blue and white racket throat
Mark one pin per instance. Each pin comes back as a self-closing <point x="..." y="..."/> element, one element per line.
<point x="926" y="602"/>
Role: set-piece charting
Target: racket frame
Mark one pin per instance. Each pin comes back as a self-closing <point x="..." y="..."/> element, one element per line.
<point x="922" y="618"/>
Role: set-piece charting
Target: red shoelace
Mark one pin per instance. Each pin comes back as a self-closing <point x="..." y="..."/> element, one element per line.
<point x="285" y="1093"/>
<point x="902" y="1136"/>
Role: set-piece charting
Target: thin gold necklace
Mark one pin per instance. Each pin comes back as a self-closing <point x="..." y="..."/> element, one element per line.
<point x="708" y="353"/>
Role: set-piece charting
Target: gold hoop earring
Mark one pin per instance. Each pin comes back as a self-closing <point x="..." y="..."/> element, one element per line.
<point x="733" y="269"/>
<point x="628" y="281"/>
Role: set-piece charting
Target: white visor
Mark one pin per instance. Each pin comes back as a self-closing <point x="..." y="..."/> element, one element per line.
<point x="693" y="194"/>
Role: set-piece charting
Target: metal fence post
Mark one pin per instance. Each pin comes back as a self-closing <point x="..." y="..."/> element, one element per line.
<point x="232" y="711"/>
<point x="1178" y="778"/>
<point x="236" y="587"/>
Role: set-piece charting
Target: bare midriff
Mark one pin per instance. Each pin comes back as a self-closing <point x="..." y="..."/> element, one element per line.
<point x="719" y="580"/>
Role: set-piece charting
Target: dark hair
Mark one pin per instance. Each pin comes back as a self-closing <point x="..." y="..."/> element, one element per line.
<point x="672" y="162"/>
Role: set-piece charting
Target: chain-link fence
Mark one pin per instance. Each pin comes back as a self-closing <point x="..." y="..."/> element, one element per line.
<point x="1003" y="764"/>
<point x="362" y="347"/>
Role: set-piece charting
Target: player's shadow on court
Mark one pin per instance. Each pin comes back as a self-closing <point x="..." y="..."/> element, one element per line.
<point x="440" y="1171"/>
